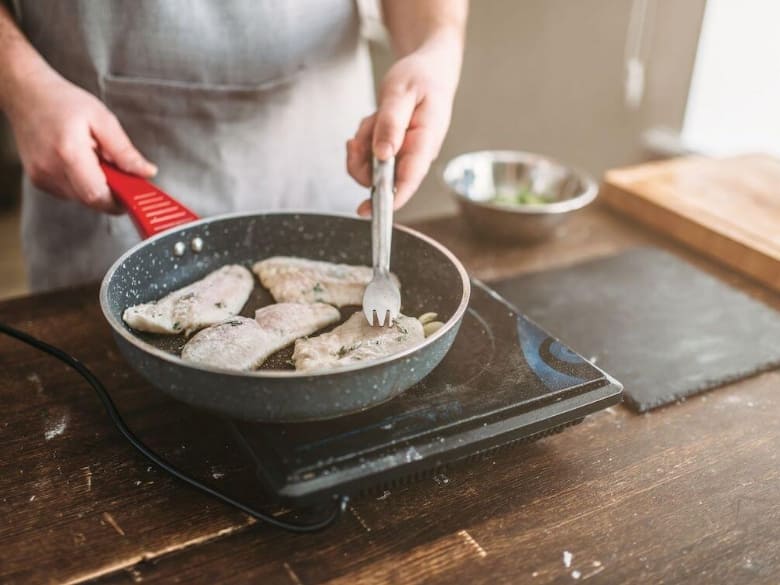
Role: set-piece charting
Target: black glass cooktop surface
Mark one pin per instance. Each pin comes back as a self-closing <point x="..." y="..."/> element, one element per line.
<point x="505" y="379"/>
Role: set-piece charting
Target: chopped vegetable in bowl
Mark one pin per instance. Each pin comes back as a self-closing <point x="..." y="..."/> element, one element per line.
<point x="521" y="197"/>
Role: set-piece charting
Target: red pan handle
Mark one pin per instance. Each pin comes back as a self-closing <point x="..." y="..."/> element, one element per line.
<point x="151" y="209"/>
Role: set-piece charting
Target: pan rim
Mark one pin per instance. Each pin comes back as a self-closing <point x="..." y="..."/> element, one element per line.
<point x="147" y="348"/>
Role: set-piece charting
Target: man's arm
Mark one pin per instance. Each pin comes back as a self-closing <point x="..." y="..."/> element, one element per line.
<point x="414" y="23"/>
<point x="416" y="95"/>
<point x="59" y="128"/>
<point x="19" y="59"/>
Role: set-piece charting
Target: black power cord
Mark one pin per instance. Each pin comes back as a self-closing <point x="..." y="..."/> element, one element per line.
<point x="110" y="407"/>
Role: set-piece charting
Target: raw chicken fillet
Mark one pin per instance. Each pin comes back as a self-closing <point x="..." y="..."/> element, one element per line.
<point x="216" y="297"/>
<point x="244" y="344"/>
<point x="356" y="341"/>
<point x="311" y="281"/>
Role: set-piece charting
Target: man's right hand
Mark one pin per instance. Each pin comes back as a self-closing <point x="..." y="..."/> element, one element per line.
<point x="61" y="131"/>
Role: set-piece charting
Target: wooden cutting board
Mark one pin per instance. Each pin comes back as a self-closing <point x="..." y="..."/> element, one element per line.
<point x="727" y="208"/>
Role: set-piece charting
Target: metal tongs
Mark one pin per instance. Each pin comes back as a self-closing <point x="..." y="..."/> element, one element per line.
<point x="382" y="299"/>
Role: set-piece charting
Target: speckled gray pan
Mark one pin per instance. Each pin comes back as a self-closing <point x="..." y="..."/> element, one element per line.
<point x="432" y="278"/>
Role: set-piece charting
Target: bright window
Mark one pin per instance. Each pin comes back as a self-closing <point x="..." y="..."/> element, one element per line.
<point x="734" y="101"/>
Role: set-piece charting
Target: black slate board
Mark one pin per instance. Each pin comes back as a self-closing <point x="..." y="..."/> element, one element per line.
<point x="661" y="326"/>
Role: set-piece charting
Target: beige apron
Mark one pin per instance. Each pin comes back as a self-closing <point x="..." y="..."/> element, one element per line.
<point x="243" y="104"/>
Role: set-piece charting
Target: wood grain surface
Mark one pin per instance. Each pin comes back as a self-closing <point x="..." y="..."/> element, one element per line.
<point x="728" y="209"/>
<point x="687" y="494"/>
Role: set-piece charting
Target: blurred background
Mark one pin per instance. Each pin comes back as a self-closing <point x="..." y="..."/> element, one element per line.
<point x="594" y="83"/>
<point x="551" y="76"/>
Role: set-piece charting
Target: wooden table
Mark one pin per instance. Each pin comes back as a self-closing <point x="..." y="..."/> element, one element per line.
<point x="687" y="494"/>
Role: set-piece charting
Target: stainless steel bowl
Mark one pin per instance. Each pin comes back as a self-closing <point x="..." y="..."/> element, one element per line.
<point x="476" y="178"/>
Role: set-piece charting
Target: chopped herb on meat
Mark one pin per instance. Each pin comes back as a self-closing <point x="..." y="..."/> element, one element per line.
<point x="344" y="350"/>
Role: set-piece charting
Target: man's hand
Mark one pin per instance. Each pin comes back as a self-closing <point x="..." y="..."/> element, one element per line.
<point x="410" y="123"/>
<point x="60" y="129"/>
<point x="60" y="132"/>
<point x="416" y="95"/>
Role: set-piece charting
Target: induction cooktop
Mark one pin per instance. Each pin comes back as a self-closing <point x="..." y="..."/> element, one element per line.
<point x="505" y="380"/>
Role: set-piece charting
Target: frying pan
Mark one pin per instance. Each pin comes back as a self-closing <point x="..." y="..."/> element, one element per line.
<point x="181" y="249"/>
